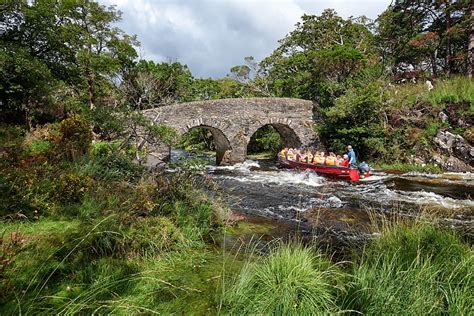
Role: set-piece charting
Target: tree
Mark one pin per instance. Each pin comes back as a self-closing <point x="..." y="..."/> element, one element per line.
<point x="149" y="84"/>
<point x="252" y="75"/>
<point x="55" y="50"/>
<point x="314" y="60"/>
<point x="430" y="36"/>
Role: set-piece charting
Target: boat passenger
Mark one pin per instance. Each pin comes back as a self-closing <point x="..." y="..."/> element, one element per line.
<point x="320" y="159"/>
<point x="309" y="157"/>
<point x="345" y="160"/>
<point x="283" y="153"/>
<point x="331" y="159"/>
<point x="291" y="154"/>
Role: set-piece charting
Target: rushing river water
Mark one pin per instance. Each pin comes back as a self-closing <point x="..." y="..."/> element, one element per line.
<point x="260" y="188"/>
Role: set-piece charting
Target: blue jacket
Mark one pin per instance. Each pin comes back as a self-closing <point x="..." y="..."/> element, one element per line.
<point x="352" y="157"/>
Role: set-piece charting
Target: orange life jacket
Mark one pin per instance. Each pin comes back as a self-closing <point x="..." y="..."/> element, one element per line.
<point x="331" y="161"/>
<point x="319" y="160"/>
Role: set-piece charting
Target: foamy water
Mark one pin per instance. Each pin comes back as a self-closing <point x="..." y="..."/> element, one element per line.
<point x="245" y="172"/>
<point x="378" y="189"/>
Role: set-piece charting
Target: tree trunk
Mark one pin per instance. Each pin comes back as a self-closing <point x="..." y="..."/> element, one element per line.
<point x="90" y="84"/>
<point x="470" y="48"/>
<point x="449" y="58"/>
<point x="434" y="65"/>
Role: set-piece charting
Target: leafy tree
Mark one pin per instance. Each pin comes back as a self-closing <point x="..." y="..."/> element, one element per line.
<point x="149" y="84"/>
<point x="425" y="35"/>
<point x="314" y="60"/>
<point x="52" y="51"/>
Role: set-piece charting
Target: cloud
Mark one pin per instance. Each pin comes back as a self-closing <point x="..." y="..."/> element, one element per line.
<point x="211" y="36"/>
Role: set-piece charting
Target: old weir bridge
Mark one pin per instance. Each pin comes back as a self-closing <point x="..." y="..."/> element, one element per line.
<point x="232" y="123"/>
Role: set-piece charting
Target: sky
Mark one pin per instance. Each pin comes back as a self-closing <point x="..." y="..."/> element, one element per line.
<point x="211" y="36"/>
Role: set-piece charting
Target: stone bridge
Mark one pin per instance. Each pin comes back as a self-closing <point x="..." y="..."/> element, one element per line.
<point x="233" y="122"/>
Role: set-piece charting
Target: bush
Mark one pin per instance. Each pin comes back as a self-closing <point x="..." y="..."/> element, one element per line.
<point x="291" y="280"/>
<point x="70" y="188"/>
<point x="73" y="137"/>
<point x="109" y="163"/>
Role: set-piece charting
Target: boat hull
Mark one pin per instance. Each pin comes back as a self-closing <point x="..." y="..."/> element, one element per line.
<point x="338" y="172"/>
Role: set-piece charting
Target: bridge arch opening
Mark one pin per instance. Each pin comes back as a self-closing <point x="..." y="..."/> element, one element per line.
<point x="207" y="138"/>
<point x="272" y="137"/>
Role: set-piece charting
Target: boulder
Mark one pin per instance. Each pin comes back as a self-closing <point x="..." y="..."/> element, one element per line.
<point x="456" y="146"/>
<point x="452" y="164"/>
<point x="443" y="117"/>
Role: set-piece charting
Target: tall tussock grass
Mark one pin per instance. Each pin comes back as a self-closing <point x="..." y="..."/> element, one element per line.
<point x="412" y="269"/>
<point x="292" y="279"/>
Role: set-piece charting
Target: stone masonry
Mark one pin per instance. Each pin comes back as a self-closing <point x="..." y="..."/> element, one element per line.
<point x="233" y="122"/>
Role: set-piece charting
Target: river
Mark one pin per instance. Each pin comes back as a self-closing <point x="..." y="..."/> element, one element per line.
<point x="259" y="189"/>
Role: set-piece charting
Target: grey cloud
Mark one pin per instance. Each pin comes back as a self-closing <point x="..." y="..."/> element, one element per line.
<point x="211" y="36"/>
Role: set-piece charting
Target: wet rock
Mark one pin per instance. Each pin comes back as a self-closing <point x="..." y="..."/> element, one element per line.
<point x="459" y="150"/>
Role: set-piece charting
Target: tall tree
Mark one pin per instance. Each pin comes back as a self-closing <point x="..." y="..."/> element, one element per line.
<point x="426" y="35"/>
<point x="315" y="59"/>
<point x="73" y="42"/>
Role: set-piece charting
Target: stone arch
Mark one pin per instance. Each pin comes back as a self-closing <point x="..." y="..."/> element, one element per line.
<point x="221" y="140"/>
<point x="288" y="130"/>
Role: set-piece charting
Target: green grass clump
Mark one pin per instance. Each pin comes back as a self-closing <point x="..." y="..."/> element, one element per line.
<point x="454" y="90"/>
<point x="290" y="280"/>
<point x="416" y="270"/>
<point x="409" y="167"/>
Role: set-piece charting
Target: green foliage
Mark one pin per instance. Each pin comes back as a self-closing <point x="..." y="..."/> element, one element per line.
<point x="314" y="61"/>
<point x="428" y="33"/>
<point x="454" y="90"/>
<point x="70" y="188"/>
<point x="148" y="84"/>
<point x="191" y="164"/>
<point x="58" y="54"/>
<point x="290" y="280"/>
<point x="408" y="167"/>
<point x="413" y="270"/>
<point x="86" y="232"/>
<point x="264" y="139"/>
<point x="74" y="137"/>
<point x="197" y="139"/>
<point x="39" y="146"/>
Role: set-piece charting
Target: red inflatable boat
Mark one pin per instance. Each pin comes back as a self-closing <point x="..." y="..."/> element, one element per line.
<point x="339" y="172"/>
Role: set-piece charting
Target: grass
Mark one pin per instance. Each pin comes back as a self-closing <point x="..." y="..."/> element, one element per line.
<point x="408" y="167"/>
<point x="454" y="90"/>
<point x="133" y="242"/>
<point x="291" y="280"/>
<point x="413" y="270"/>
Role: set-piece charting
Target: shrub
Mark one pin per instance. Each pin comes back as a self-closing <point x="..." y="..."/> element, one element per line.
<point x="70" y="188"/>
<point x="73" y="137"/>
<point x="291" y="280"/>
<point x="108" y="163"/>
<point x="153" y="235"/>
